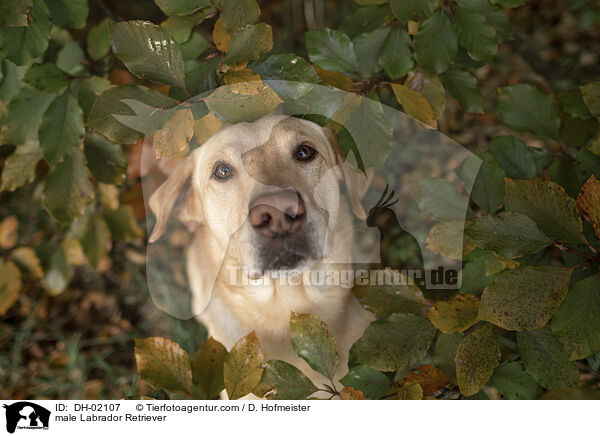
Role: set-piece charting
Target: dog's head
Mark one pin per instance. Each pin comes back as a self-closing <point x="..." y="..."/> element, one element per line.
<point x="268" y="192"/>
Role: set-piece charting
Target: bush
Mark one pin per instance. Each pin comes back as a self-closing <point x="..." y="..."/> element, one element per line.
<point x="527" y="318"/>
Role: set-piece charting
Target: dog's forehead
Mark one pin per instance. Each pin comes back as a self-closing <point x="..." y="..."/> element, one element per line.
<point x="243" y="137"/>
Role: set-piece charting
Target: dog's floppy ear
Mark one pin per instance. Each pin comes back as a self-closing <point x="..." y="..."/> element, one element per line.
<point x="162" y="201"/>
<point x="356" y="181"/>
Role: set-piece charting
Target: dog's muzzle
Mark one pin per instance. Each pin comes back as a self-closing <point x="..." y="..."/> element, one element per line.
<point x="280" y="223"/>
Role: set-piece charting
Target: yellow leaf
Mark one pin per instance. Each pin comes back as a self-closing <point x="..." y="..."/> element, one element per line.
<point x="27" y="260"/>
<point x="595" y="147"/>
<point x="221" y="36"/>
<point x="334" y="78"/>
<point x="588" y="201"/>
<point x="410" y="391"/>
<point x="10" y="285"/>
<point x="448" y="240"/>
<point x="244" y="82"/>
<point x="73" y="251"/>
<point x="206" y="127"/>
<point x="415" y="104"/>
<point x="8" y="231"/>
<point x="456" y="314"/>
<point x="174" y="138"/>
<point x="108" y="196"/>
<point x="413" y="27"/>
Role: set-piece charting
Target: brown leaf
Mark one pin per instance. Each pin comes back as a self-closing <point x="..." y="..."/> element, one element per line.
<point x="8" y="231"/>
<point x="430" y="378"/>
<point x="10" y="285"/>
<point x="174" y="138"/>
<point x="588" y="201"/>
<point x="349" y="393"/>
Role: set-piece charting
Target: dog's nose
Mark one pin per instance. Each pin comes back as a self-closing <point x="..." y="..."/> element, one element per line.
<point x="277" y="214"/>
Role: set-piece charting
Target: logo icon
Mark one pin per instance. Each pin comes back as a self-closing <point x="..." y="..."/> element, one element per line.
<point x="26" y="415"/>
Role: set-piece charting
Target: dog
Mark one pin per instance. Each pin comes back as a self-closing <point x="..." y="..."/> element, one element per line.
<point x="268" y="196"/>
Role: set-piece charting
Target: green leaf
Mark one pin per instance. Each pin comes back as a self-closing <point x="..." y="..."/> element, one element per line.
<point x="10" y="285"/>
<point x="456" y="314"/>
<point x="248" y="43"/>
<point x="569" y="174"/>
<point x="548" y="205"/>
<point x="23" y="116"/>
<point x="367" y="47"/>
<point x="181" y="7"/>
<point x="21" y="44"/>
<point x="62" y="127"/>
<point x="242" y="370"/>
<point x="476" y="357"/>
<point x="67" y="189"/>
<point x="525" y="298"/>
<point x="474" y="277"/>
<point x="546" y="360"/>
<point x="577" y="133"/>
<point x="509" y="234"/>
<point x="194" y="47"/>
<point x="494" y="14"/>
<point x="332" y="50"/>
<point x="463" y="86"/>
<point x="105" y="160"/>
<point x="291" y="75"/>
<point x="445" y="353"/>
<point x="394" y="343"/>
<point x="475" y="34"/>
<point x="207" y="368"/>
<point x="365" y="19"/>
<point x="71" y="58"/>
<point x="238" y="13"/>
<point x="435" y="43"/>
<point x="514" y="383"/>
<point x="164" y="364"/>
<point x="46" y="77"/>
<point x="440" y="199"/>
<point x="591" y="97"/>
<point x="11" y="82"/>
<point x="96" y="240"/>
<point x="383" y="300"/>
<point x="414" y="10"/>
<point x="122" y="224"/>
<point x="435" y="93"/>
<point x="395" y="56"/>
<point x="98" y="42"/>
<point x="282" y="381"/>
<point x="19" y="167"/>
<point x="508" y="3"/>
<point x="373" y="384"/>
<point x="90" y="89"/>
<point x="57" y="272"/>
<point x="514" y="156"/>
<point x="370" y="2"/>
<point x="313" y="343"/>
<point x="69" y="13"/>
<point x="181" y="26"/>
<point x="525" y="108"/>
<point x="571" y="102"/>
<point x="118" y="105"/>
<point x="576" y="323"/>
<point x="148" y="51"/>
<point x="14" y="12"/>
<point x="370" y="130"/>
<point x="488" y="189"/>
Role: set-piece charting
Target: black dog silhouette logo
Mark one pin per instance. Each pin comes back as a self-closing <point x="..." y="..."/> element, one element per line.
<point x="26" y="415"/>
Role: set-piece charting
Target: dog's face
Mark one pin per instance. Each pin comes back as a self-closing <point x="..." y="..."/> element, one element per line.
<point x="267" y="191"/>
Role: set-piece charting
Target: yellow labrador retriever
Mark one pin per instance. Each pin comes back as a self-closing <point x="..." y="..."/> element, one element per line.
<point x="268" y="197"/>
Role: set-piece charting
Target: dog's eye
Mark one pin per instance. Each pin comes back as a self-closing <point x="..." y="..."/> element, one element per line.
<point x="304" y="153"/>
<point x="222" y="171"/>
